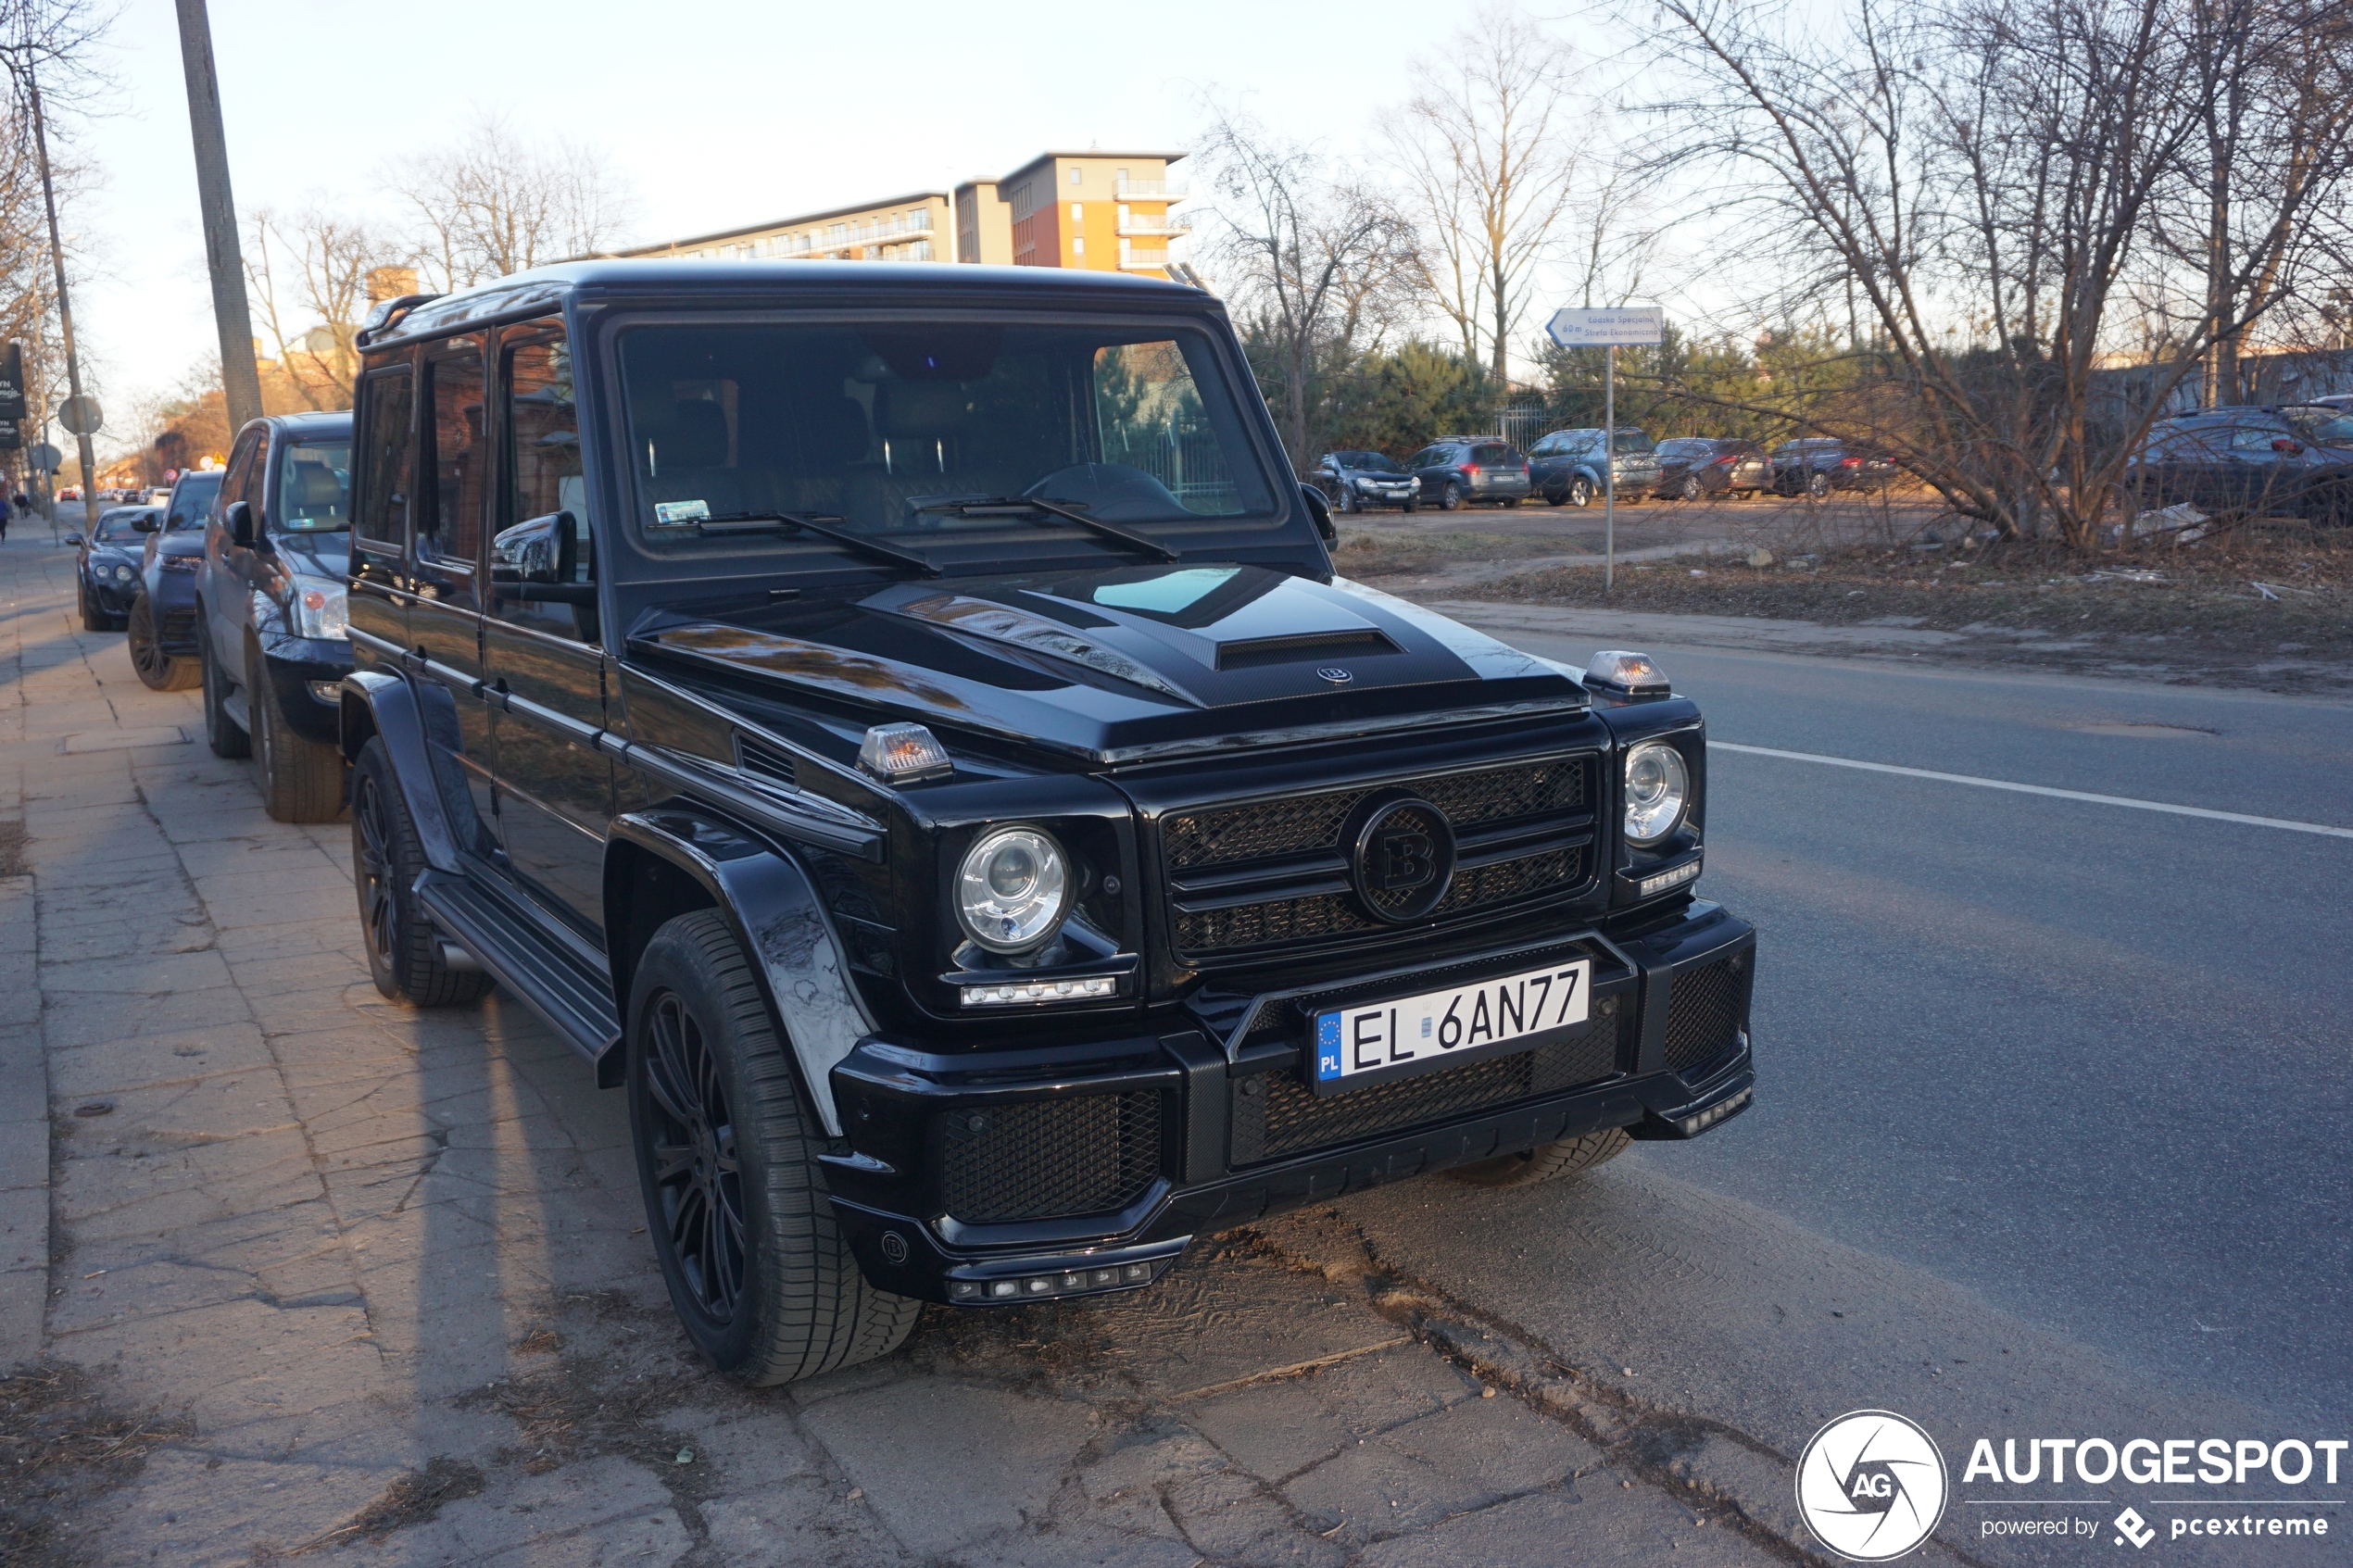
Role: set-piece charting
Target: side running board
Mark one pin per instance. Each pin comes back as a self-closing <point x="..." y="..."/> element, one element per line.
<point x="572" y="998"/>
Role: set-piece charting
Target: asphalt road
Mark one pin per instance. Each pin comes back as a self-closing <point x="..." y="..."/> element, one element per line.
<point x="2086" y="1059"/>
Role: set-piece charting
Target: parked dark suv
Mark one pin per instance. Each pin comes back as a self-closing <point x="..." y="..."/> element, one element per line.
<point x="106" y="572"/>
<point x="2295" y="461"/>
<point x="1568" y="466"/>
<point x="901" y="724"/>
<point x="162" y="620"/>
<point x="270" y="610"/>
<point x="1454" y="469"/>
<point x="1691" y="467"/>
<point x="1353" y="481"/>
<point x="1816" y="466"/>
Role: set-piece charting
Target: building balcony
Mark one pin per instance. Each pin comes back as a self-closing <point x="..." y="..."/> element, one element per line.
<point x="1143" y="260"/>
<point x="1160" y="228"/>
<point x="1151" y="191"/>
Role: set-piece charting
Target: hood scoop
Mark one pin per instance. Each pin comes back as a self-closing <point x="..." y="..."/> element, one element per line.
<point x="1003" y="624"/>
<point x="1256" y="653"/>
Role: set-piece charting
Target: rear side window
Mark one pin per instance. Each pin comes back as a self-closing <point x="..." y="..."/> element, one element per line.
<point x="450" y="530"/>
<point x="388" y="461"/>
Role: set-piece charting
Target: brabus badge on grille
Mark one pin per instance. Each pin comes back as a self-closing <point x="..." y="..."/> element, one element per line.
<point x="1335" y="674"/>
<point x="1402" y="857"/>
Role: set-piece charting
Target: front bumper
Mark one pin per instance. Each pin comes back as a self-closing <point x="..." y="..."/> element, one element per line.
<point x="295" y="665"/>
<point x="991" y="1178"/>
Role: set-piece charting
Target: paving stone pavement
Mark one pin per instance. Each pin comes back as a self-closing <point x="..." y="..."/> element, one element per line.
<point x="388" y="1266"/>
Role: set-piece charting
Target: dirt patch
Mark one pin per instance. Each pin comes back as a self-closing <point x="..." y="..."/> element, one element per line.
<point x="13" y="839"/>
<point x="2267" y="608"/>
<point x="62" y="1450"/>
<point x="1391" y="553"/>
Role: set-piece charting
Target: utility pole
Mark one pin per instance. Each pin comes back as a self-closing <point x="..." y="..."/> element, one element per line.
<point x="65" y="306"/>
<point x="239" y="382"/>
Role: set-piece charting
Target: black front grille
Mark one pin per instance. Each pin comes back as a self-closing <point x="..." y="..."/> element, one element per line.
<point x="176" y="633"/>
<point x="1049" y="1159"/>
<point x="1277" y="1113"/>
<point x="1300" y="838"/>
<point x="1704" y="1012"/>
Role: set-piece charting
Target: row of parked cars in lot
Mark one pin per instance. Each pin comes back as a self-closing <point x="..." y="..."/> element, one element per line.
<point x="1569" y="468"/>
<point x="978" y="831"/>
<point x="236" y="582"/>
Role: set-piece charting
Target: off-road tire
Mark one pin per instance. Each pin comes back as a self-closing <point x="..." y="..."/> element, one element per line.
<point x="221" y="733"/>
<point x="1554" y="1162"/>
<point x="726" y="1149"/>
<point x="301" y="778"/>
<point x="1450" y="498"/>
<point x="404" y="951"/>
<point x="157" y="671"/>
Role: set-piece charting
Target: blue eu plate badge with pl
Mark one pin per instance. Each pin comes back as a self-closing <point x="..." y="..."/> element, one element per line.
<point x="1404" y="1036"/>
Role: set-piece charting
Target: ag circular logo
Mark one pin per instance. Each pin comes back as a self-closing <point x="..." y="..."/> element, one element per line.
<point x="1871" y="1485"/>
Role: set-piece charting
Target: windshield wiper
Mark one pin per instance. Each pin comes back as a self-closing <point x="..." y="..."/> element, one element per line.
<point x="847" y="540"/>
<point x="991" y="506"/>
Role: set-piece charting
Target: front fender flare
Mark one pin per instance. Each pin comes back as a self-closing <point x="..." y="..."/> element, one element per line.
<point x="375" y="702"/>
<point x="769" y="900"/>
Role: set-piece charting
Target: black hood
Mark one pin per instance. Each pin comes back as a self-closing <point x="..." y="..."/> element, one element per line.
<point x="315" y="554"/>
<point x="187" y="542"/>
<point x="1130" y="663"/>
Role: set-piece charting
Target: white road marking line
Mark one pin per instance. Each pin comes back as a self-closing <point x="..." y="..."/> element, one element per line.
<point x="2320" y="828"/>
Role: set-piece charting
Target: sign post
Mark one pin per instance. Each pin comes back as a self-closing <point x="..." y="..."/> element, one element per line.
<point x="1642" y="326"/>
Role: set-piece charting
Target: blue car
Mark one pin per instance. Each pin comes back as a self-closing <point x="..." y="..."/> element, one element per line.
<point x="162" y="620"/>
<point x="270" y="611"/>
<point x="107" y="574"/>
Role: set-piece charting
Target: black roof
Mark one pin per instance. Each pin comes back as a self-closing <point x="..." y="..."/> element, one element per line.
<point x="546" y="288"/>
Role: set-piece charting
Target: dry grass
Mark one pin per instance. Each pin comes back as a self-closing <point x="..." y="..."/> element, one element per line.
<point x="61" y="1450"/>
<point x="2251" y="600"/>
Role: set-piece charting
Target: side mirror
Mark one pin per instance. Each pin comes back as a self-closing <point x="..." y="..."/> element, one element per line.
<point x="1321" y="510"/>
<point x="239" y="517"/>
<point x="73" y="538"/>
<point x="538" y="560"/>
<point x="147" y="524"/>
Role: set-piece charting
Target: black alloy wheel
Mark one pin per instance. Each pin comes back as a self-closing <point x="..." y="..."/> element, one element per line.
<point x="1450" y="498"/>
<point x="157" y="671"/>
<point x="220" y="731"/>
<point x="697" y="1180"/>
<point x="404" y="951"/>
<point x="759" y="1274"/>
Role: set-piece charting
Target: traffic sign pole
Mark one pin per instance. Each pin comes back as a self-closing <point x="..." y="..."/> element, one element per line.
<point x="1643" y="325"/>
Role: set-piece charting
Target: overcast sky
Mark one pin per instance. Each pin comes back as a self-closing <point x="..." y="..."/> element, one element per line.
<point x="716" y="112"/>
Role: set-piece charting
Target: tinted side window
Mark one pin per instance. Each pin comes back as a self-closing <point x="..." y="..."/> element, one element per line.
<point x="451" y="529"/>
<point x="243" y="479"/>
<point x="543" y="539"/>
<point x="388" y="460"/>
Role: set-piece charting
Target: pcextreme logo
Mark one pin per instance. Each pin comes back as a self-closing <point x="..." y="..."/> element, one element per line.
<point x="1872" y="1486"/>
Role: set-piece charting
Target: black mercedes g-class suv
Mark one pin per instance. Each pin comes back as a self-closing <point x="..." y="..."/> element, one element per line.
<point x="902" y="724"/>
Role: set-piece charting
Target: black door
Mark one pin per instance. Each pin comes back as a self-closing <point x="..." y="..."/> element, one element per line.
<point x="541" y="634"/>
<point x="384" y="458"/>
<point x="445" y="601"/>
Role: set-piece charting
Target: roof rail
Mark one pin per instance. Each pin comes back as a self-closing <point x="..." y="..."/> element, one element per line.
<point x="385" y="314"/>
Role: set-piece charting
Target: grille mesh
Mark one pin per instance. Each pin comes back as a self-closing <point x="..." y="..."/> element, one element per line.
<point x="1277" y="1113"/>
<point x="1049" y="1160"/>
<point x="1704" y="1012"/>
<point x="1334" y="914"/>
<point x="1312" y="822"/>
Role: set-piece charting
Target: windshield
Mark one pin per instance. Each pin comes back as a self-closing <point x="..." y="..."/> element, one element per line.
<point x="1687" y="447"/>
<point x="1371" y="462"/>
<point x="117" y="527"/>
<point x="191" y="498"/>
<point x="314" y="488"/>
<point x="2323" y="427"/>
<point x="884" y="430"/>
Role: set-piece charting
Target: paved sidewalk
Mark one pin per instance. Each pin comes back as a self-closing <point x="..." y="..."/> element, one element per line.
<point x="387" y="1267"/>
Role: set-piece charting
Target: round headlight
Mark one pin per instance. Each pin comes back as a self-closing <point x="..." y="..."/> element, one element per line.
<point x="1657" y="789"/>
<point x="1013" y="889"/>
<point x="124" y="574"/>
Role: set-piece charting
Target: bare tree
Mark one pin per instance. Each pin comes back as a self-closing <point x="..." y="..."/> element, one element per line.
<point x="1984" y="178"/>
<point x="1484" y="154"/>
<point x="308" y="275"/>
<point x="496" y="203"/>
<point x="1318" y="268"/>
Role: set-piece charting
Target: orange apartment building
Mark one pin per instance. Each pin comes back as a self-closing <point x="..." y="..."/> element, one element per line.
<point x="1107" y="212"/>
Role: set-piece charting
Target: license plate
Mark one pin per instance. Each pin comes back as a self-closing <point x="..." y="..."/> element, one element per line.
<point x="1402" y="1036"/>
